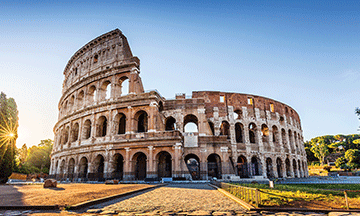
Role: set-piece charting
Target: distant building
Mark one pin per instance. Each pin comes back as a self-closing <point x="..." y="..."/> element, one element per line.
<point x="105" y="131"/>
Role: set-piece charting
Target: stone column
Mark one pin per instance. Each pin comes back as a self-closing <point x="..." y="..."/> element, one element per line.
<point x="152" y="115"/>
<point x="127" y="166"/>
<point x="177" y="160"/>
<point x="201" y="121"/>
<point x="151" y="173"/>
<point x="259" y="139"/>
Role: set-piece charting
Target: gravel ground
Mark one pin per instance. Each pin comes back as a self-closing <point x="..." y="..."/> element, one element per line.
<point x="12" y="195"/>
<point x="175" y="198"/>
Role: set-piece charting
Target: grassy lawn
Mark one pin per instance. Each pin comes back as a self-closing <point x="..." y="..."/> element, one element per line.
<point x="323" y="196"/>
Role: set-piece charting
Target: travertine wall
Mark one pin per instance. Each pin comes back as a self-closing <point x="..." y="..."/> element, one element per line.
<point x="107" y="131"/>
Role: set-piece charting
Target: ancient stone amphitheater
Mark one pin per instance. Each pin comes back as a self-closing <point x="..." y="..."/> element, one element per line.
<point x="110" y="128"/>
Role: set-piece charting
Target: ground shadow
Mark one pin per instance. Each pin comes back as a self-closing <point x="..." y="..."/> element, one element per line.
<point x="10" y="196"/>
<point x="57" y="189"/>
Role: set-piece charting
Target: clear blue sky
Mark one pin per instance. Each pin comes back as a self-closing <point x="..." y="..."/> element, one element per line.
<point x="303" y="53"/>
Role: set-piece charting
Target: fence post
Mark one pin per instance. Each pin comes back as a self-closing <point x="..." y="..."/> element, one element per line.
<point x="346" y="200"/>
<point x="257" y="197"/>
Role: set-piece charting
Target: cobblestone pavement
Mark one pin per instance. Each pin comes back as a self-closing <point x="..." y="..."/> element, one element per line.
<point x="176" y="198"/>
<point x="173" y="199"/>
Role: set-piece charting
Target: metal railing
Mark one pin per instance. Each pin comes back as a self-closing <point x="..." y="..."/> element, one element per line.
<point x="249" y="195"/>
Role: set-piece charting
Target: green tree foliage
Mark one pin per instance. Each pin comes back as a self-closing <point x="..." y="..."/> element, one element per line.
<point x="341" y="163"/>
<point x="36" y="159"/>
<point x="322" y="146"/>
<point x="8" y="136"/>
<point x="353" y="158"/>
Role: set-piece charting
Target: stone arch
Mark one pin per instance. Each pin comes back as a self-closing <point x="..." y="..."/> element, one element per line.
<point x="291" y="141"/>
<point x="87" y="129"/>
<point x="140" y="168"/>
<point x="141" y="117"/>
<point x="242" y="167"/>
<point x="191" y="123"/>
<point x="192" y="162"/>
<point x="170" y="124"/>
<point x="62" y="169"/>
<point x="66" y="135"/>
<point x="105" y="90"/>
<point x="118" y="166"/>
<point x="287" y="167"/>
<point x="99" y="165"/>
<point x="83" y="168"/>
<point x="225" y="129"/>
<point x="252" y="132"/>
<point x="101" y="126"/>
<point x="239" y="130"/>
<point x="71" y="169"/>
<point x="300" y="169"/>
<point x="265" y="137"/>
<point x="120" y="123"/>
<point x="269" y="168"/>
<point x="295" y="168"/>
<point x="238" y="114"/>
<point x="279" y="167"/>
<point x="212" y="128"/>
<point x="124" y="85"/>
<point x="284" y="140"/>
<point x="255" y="166"/>
<point x="214" y="166"/>
<point x="71" y="103"/>
<point x="80" y="98"/>
<point x="57" y="167"/>
<point x="75" y="132"/>
<point x="92" y="94"/>
<point x="164" y="164"/>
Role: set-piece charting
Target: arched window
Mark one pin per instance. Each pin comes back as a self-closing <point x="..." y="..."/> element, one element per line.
<point x="142" y="121"/>
<point x="211" y="125"/>
<point x="96" y="58"/>
<point x="122" y="124"/>
<point x="255" y="166"/>
<point x="239" y="132"/>
<point x="170" y="124"/>
<point x="265" y="136"/>
<point x="87" y="129"/>
<point x="75" y="132"/>
<point x="225" y="129"/>
<point x="252" y="133"/>
<point x="102" y="126"/>
<point x="192" y="162"/>
<point x="190" y="123"/>
<point x="237" y="114"/>
<point x="92" y="93"/>
<point x="80" y="98"/>
<point x="124" y="85"/>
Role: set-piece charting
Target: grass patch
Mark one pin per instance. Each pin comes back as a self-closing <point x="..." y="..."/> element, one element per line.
<point x="306" y="195"/>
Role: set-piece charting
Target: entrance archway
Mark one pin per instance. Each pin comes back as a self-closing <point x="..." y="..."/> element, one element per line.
<point x="242" y="167"/>
<point x="164" y="165"/>
<point x="83" y="168"/>
<point x="279" y="167"/>
<point x="214" y="166"/>
<point x="99" y="168"/>
<point x="118" y="166"/>
<point x="140" y="166"/>
<point x="255" y="166"/>
<point x="193" y="164"/>
<point x="269" y="168"/>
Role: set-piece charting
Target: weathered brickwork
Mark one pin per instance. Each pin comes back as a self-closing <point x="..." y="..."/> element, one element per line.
<point x="108" y="130"/>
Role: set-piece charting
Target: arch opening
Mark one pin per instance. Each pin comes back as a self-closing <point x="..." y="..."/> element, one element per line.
<point x="193" y="164"/>
<point x="118" y="166"/>
<point x="164" y="164"/>
<point x="170" y="124"/>
<point x="140" y="166"/>
<point x="214" y="166"/>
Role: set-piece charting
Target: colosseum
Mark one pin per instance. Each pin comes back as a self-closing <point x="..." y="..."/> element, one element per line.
<point x="109" y="127"/>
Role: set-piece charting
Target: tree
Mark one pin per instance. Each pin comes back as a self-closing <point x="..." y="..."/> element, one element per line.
<point x="353" y="158"/>
<point x="8" y="136"/>
<point x="38" y="159"/>
<point x="319" y="147"/>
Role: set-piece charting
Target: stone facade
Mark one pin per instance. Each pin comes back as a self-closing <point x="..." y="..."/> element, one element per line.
<point x="109" y="130"/>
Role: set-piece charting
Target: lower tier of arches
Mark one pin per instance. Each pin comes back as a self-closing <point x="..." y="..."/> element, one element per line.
<point x="172" y="162"/>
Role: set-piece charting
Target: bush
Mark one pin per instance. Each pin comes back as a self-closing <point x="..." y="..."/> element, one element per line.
<point x="327" y="168"/>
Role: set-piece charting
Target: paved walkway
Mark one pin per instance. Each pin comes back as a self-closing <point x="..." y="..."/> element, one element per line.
<point x="175" y="198"/>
